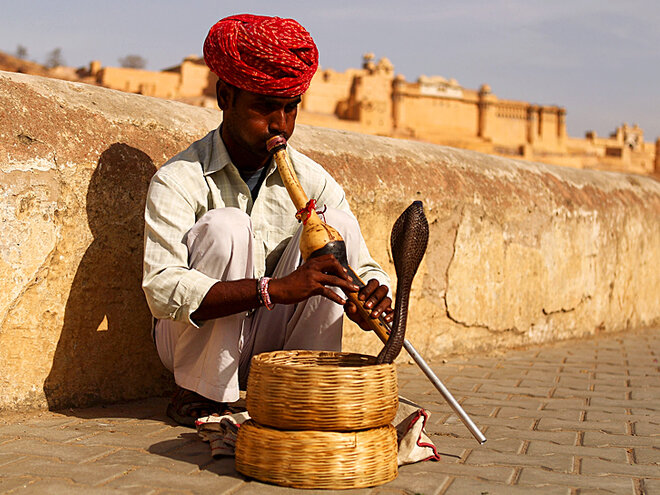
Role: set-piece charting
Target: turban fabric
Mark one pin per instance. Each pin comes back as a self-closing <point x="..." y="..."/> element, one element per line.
<point x="265" y="55"/>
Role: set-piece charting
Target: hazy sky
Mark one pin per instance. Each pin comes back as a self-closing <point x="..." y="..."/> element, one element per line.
<point x="599" y="59"/>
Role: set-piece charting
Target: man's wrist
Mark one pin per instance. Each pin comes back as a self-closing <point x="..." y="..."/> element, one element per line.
<point x="263" y="295"/>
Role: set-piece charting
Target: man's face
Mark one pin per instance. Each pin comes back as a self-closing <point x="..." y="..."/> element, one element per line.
<point x="250" y="119"/>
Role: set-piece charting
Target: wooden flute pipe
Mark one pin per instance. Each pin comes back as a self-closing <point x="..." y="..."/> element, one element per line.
<point x="319" y="238"/>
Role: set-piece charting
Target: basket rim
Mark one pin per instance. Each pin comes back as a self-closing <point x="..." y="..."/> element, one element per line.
<point x="267" y="359"/>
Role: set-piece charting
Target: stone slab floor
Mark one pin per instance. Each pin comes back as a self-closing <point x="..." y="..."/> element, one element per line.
<point x="576" y="417"/>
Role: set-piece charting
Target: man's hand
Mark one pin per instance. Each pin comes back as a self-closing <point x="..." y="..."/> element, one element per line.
<point x="376" y="300"/>
<point x="315" y="277"/>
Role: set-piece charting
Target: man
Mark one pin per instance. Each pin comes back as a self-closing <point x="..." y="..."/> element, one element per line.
<point x="222" y="268"/>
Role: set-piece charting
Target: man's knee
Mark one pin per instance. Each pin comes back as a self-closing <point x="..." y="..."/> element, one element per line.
<point x="218" y="232"/>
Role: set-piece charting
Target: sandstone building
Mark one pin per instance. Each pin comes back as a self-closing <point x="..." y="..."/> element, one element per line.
<point x="374" y="100"/>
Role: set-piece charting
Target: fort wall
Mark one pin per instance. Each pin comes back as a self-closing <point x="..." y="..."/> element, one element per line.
<point x="519" y="252"/>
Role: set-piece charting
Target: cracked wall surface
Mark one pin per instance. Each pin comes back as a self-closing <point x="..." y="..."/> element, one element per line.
<point x="518" y="253"/>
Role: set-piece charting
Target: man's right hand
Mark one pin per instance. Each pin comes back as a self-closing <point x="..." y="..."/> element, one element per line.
<point x="315" y="277"/>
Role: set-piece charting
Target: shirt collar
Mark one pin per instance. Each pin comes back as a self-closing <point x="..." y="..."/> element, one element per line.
<point x="219" y="155"/>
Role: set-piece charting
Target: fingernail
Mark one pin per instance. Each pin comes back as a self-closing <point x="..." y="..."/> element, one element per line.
<point x="368" y="304"/>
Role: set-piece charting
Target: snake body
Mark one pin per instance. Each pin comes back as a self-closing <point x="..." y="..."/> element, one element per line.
<point x="410" y="235"/>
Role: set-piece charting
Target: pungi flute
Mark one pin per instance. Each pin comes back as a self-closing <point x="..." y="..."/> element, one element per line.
<point x="320" y="238"/>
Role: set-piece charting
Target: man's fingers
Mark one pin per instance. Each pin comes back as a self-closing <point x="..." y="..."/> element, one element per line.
<point x="329" y="264"/>
<point x="367" y="291"/>
<point x="345" y="285"/>
<point x="333" y="296"/>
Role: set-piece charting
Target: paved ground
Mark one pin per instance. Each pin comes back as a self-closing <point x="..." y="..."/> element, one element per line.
<point x="577" y="417"/>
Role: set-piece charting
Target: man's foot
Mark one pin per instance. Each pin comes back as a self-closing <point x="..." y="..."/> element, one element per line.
<point x="187" y="406"/>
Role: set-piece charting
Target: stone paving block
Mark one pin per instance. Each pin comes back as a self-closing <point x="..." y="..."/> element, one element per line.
<point x="540" y="392"/>
<point x="559" y="437"/>
<point x="40" y="419"/>
<point x="588" y="394"/>
<point x="62" y="451"/>
<point x="89" y="474"/>
<point x="116" y="439"/>
<point x="133" y="427"/>
<point x="540" y="478"/>
<point x="517" y="412"/>
<point x="496" y="444"/>
<point x="7" y="457"/>
<point x="473" y="410"/>
<point x="615" y="454"/>
<point x="418" y="478"/>
<point x="651" y="486"/>
<point x="650" y="381"/>
<point x="597" y="439"/>
<point x="551" y="424"/>
<point x="135" y="457"/>
<point x="487" y="473"/>
<point x="460" y="486"/>
<point x="485" y="401"/>
<point x="647" y="455"/>
<point x="600" y="415"/>
<point x="597" y="467"/>
<point x="57" y="434"/>
<point x="550" y="461"/>
<point x="518" y="423"/>
<point x="62" y="487"/>
<point x="157" y="478"/>
<point x="645" y="393"/>
<point x="8" y="484"/>
<point x="257" y="488"/>
<point x="648" y="428"/>
<point x="451" y="446"/>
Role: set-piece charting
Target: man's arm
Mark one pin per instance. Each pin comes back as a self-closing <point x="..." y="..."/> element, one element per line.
<point x="312" y="278"/>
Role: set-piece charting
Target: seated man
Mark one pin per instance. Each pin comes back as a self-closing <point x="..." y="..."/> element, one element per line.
<point x="222" y="267"/>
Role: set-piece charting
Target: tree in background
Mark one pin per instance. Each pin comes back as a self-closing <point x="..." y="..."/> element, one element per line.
<point x="133" y="62"/>
<point x="54" y="58"/>
<point x="21" y="52"/>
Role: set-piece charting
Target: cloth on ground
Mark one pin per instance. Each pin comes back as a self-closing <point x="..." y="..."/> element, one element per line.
<point x="414" y="444"/>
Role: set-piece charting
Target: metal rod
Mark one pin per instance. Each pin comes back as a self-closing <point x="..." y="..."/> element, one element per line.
<point x="453" y="403"/>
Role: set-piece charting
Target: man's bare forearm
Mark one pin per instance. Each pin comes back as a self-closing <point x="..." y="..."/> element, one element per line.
<point x="227" y="298"/>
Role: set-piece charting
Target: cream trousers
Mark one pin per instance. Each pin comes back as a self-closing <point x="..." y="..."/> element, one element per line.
<point x="214" y="359"/>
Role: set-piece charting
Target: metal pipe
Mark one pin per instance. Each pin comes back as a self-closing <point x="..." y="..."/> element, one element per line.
<point x="453" y="403"/>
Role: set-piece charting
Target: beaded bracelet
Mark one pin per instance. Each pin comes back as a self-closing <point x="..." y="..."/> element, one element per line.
<point x="262" y="293"/>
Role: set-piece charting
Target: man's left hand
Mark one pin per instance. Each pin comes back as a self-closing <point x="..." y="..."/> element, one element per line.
<point x="376" y="301"/>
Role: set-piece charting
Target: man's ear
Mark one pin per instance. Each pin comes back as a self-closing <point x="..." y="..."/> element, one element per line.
<point x="224" y="94"/>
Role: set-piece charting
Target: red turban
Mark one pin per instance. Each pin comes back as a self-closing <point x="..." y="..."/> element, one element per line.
<point x="265" y="55"/>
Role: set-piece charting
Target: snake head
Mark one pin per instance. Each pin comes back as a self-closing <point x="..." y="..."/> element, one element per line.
<point x="410" y="236"/>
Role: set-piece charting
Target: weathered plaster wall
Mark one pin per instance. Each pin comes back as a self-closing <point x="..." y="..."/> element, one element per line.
<point x="519" y="252"/>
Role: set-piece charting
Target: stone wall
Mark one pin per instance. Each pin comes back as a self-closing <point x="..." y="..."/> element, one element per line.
<point x="519" y="252"/>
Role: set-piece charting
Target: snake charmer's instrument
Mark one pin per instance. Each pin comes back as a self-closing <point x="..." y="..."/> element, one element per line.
<point x="409" y="239"/>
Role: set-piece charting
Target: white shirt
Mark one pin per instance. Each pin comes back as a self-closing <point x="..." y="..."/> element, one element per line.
<point x="202" y="178"/>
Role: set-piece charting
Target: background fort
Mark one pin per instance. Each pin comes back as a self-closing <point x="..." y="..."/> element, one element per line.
<point x="372" y="99"/>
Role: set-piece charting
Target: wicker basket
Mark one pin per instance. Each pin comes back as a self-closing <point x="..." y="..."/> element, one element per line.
<point x="317" y="459"/>
<point x="319" y="390"/>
